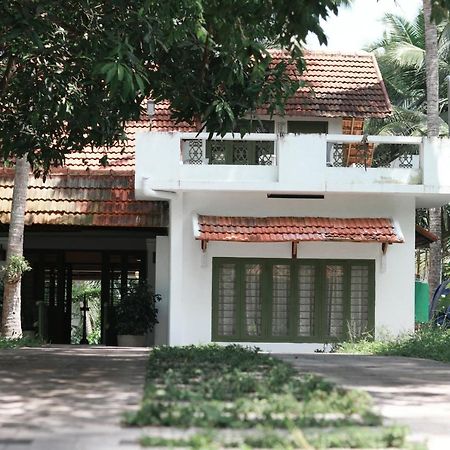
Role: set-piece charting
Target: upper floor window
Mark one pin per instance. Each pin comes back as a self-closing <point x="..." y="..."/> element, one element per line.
<point x="307" y="127"/>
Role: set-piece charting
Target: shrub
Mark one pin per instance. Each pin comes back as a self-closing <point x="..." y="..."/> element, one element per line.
<point x="136" y="311"/>
<point x="428" y="342"/>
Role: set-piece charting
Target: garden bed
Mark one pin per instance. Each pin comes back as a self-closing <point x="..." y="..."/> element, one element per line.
<point x="236" y="397"/>
<point x="429" y="342"/>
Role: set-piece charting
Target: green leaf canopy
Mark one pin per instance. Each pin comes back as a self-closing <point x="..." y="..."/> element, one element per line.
<point x="71" y="73"/>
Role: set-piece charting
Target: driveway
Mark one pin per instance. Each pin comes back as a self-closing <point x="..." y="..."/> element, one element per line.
<point x="69" y="397"/>
<point x="409" y="391"/>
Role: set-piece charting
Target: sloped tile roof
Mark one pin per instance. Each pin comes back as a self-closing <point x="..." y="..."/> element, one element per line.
<point x="121" y="157"/>
<point x="337" y="85"/>
<point x="424" y="237"/>
<point x="86" y="193"/>
<point x="296" y="229"/>
<point x="101" y="198"/>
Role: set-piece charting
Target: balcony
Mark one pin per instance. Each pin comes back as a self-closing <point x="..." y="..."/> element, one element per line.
<point x="291" y="163"/>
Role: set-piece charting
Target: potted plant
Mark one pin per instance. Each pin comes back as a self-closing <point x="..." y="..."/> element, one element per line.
<point x="136" y="314"/>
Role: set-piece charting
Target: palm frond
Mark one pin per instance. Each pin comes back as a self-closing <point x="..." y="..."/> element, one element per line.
<point x="406" y="55"/>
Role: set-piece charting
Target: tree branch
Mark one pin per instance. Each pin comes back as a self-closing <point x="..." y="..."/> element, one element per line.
<point x="9" y="72"/>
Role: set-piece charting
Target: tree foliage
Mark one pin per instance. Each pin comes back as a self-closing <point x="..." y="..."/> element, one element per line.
<point x="71" y="74"/>
<point x="401" y="57"/>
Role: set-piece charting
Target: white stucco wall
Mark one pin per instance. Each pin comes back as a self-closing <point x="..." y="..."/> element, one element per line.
<point x="162" y="287"/>
<point x="191" y="270"/>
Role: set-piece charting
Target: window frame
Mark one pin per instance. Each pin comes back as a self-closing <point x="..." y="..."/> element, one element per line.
<point x="319" y="313"/>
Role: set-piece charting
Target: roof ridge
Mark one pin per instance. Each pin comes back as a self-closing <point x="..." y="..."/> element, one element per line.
<point x="338" y="52"/>
<point x="327" y="52"/>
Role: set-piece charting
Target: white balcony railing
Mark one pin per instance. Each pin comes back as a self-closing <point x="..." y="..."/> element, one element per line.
<point x="261" y="150"/>
<point x="374" y="151"/>
<point x="232" y="148"/>
<point x="291" y="163"/>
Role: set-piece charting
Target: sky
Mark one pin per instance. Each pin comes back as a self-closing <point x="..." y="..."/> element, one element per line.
<point x="360" y="24"/>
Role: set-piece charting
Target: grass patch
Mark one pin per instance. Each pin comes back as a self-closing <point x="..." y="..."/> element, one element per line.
<point x="389" y="437"/>
<point x="216" y="388"/>
<point x="21" y="342"/>
<point x="428" y="342"/>
<point x="233" y="387"/>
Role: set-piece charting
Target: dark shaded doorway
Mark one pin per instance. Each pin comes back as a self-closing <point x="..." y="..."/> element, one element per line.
<point x="48" y="301"/>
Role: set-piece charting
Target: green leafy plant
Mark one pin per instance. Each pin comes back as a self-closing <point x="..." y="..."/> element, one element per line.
<point x="136" y="311"/>
<point x="266" y="402"/>
<point x="91" y="291"/>
<point x="428" y="342"/>
<point x="15" y="268"/>
<point x="232" y="387"/>
<point x="21" y="342"/>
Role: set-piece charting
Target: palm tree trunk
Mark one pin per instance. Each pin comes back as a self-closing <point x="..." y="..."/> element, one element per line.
<point x="11" y="319"/>
<point x="432" y="66"/>
<point x="431" y="60"/>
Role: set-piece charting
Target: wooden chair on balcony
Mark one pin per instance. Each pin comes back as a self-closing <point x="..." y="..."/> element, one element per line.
<point x="358" y="154"/>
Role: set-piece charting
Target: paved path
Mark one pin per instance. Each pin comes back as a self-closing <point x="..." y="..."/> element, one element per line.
<point x="65" y="398"/>
<point x="409" y="391"/>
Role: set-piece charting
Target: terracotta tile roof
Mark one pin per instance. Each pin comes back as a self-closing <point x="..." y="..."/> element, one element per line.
<point x="162" y="121"/>
<point x="296" y="229"/>
<point x="424" y="237"/>
<point x="337" y="85"/>
<point x="121" y="157"/>
<point x="85" y="193"/>
<point x="103" y="198"/>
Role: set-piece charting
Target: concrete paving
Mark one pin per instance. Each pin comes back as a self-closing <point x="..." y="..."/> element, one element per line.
<point x="69" y="397"/>
<point x="409" y="391"/>
<point x="59" y="398"/>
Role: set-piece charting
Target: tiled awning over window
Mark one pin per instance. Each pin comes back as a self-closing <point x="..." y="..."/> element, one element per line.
<point x="296" y="229"/>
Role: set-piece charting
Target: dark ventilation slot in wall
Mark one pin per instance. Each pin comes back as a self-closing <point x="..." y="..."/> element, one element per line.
<point x="298" y="196"/>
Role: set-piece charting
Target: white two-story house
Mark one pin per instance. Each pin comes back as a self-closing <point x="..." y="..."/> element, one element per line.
<point x="302" y="231"/>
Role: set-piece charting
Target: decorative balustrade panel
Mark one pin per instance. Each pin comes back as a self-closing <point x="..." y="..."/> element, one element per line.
<point x="235" y="152"/>
<point x="193" y="151"/>
<point x="217" y="152"/>
<point x="405" y="156"/>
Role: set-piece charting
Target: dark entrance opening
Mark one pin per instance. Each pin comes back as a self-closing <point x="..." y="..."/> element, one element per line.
<point x="60" y="279"/>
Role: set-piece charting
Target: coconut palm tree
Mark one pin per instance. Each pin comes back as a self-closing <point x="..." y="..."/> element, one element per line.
<point x="401" y="57"/>
<point x="432" y="83"/>
<point x="414" y="58"/>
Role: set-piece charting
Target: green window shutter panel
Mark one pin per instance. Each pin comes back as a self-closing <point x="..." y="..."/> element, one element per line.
<point x="283" y="300"/>
<point x="252" y="300"/>
<point x="359" y="299"/>
<point x="306" y="299"/>
<point x="281" y="294"/>
<point x="227" y="299"/>
<point x="334" y="291"/>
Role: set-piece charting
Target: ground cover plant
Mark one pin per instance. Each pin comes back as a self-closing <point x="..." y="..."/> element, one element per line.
<point x="262" y="401"/>
<point x="20" y="342"/>
<point x="428" y="342"/>
<point x="354" y="437"/>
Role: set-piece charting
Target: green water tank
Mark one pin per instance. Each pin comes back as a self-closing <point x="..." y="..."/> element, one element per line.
<point x="422" y="301"/>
